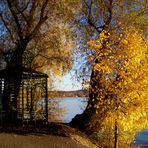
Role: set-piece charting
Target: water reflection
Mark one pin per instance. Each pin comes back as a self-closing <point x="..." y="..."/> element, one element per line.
<point x="72" y="106"/>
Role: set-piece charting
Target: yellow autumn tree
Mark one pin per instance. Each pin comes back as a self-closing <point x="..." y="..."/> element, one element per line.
<point x="122" y="96"/>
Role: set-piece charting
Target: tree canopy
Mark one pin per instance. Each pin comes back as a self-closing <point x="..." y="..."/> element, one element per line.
<point x="117" y="52"/>
<point x="123" y="84"/>
<point x="43" y="34"/>
<point x="42" y="29"/>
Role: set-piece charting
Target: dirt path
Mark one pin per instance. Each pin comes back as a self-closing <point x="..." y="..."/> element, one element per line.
<point x="37" y="141"/>
<point x="51" y="135"/>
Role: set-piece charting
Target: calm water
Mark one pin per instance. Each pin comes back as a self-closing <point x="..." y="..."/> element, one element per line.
<point x="141" y="139"/>
<point x="75" y="106"/>
<point x="72" y="106"/>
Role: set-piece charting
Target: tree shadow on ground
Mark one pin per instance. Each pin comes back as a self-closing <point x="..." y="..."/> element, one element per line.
<point x="57" y="129"/>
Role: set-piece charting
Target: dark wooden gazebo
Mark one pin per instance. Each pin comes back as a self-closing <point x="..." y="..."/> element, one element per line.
<point x="23" y="96"/>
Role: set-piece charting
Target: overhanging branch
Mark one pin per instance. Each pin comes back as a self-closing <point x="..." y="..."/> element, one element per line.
<point x="16" y="19"/>
<point x="107" y="19"/>
<point x="42" y="19"/>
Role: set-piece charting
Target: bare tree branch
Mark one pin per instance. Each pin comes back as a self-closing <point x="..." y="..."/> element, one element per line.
<point x="19" y="30"/>
<point x="90" y="18"/>
<point x="25" y="7"/>
<point x="43" y="8"/>
<point x="31" y="14"/>
<point x="41" y="21"/>
<point x="108" y="19"/>
<point x="21" y="11"/>
<point x="25" y="18"/>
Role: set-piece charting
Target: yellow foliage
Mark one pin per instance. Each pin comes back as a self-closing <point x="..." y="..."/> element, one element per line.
<point x="124" y="69"/>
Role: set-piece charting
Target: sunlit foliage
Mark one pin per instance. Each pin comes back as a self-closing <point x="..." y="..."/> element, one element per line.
<point x="53" y="54"/>
<point x="122" y="96"/>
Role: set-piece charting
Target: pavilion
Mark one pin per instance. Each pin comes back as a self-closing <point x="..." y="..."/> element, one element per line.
<point x="23" y="96"/>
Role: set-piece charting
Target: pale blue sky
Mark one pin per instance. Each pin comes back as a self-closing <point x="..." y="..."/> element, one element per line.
<point x="68" y="83"/>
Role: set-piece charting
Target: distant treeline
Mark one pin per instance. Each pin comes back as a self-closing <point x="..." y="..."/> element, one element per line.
<point x="77" y="93"/>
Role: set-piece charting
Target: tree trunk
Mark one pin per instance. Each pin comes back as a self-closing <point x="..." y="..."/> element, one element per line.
<point x="11" y="84"/>
<point x="116" y="134"/>
<point x="91" y="119"/>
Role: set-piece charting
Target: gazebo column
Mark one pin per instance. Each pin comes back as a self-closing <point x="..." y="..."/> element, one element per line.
<point x="31" y="104"/>
<point x="46" y="98"/>
<point x="14" y="98"/>
<point x="22" y="101"/>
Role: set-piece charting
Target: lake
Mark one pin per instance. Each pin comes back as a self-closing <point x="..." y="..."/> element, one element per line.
<point x="72" y="106"/>
<point x="75" y="106"/>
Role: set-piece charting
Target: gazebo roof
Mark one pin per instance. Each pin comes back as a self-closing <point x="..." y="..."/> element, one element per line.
<point x="14" y="72"/>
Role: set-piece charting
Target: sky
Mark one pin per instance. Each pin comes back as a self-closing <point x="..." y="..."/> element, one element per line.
<point x="68" y="82"/>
